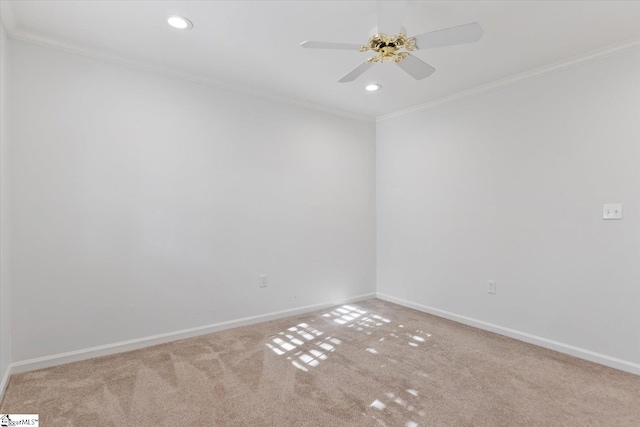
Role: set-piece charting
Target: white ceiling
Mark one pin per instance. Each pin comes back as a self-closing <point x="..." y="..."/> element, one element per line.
<point x="254" y="45"/>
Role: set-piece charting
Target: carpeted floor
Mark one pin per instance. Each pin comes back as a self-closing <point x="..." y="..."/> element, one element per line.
<point x="366" y="364"/>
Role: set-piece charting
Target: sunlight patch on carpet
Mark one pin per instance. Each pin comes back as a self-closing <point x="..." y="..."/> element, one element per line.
<point x="311" y="349"/>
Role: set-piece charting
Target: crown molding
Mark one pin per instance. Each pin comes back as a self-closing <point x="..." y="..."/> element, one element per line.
<point x="574" y="61"/>
<point x="16" y="33"/>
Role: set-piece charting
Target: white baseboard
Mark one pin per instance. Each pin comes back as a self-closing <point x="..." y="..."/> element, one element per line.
<point x="581" y="353"/>
<point x="121" y="347"/>
<point x="5" y="382"/>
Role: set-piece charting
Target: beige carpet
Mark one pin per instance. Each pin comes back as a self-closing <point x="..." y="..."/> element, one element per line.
<point x="366" y="364"/>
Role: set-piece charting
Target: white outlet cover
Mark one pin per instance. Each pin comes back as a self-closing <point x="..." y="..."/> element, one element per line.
<point x="263" y="280"/>
<point x="491" y="286"/>
<point x="612" y="211"/>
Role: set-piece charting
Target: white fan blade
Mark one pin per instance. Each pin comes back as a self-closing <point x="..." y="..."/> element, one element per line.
<point x="329" y="45"/>
<point x="356" y="72"/>
<point x="467" y="33"/>
<point x="390" y="16"/>
<point x="415" y="67"/>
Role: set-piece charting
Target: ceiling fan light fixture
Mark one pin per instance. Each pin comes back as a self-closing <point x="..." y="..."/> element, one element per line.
<point x="179" y="22"/>
<point x="391" y="44"/>
<point x="372" y="87"/>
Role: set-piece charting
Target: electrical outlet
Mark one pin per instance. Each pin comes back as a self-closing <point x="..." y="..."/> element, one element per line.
<point x="491" y="286"/>
<point x="263" y="281"/>
<point x="612" y="211"/>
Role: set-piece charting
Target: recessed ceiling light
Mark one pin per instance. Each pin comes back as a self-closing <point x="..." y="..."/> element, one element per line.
<point x="179" y="22"/>
<point x="372" y="87"/>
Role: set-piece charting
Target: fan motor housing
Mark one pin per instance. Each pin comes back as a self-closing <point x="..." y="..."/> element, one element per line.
<point x="387" y="46"/>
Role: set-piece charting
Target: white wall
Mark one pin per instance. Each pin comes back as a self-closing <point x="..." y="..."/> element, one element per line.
<point x="144" y="204"/>
<point x="509" y="186"/>
<point x="5" y="308"/>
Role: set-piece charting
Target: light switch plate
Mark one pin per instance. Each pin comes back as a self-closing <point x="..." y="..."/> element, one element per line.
<point x="612" y="211"/>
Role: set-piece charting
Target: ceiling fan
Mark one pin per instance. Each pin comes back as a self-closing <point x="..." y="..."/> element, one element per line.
<point x="391" y="44"/>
